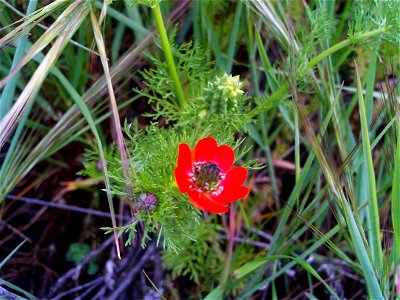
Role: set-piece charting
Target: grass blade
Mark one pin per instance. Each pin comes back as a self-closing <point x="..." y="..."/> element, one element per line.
<point x="122" y="19"/>
<point x="357" y="235"/>
<point x="69" y="124"/>
<point x="4" y="261"/>
<point x="9" y="90"/>
<point x="396" y="204"/>
<point x="120" y="139"/>
<point x="18" y="289"/>
<point x="88" y="116"/>
<point x="56" y="29"/>
<point x="375" y="240"/>
<point x="8" y="123"/>
<point x="251" y="266"/>
<point x="234" y="35"/>
<point x="32" y="20"/>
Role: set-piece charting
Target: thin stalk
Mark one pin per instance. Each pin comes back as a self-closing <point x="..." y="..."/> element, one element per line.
<point x="396" y="209"/>
<point x="11" y="254"/>
<point x="341" y="45"/>
<point x="296" y="149"/>
<point x="168" y="55"/>
<point x="119" y="139"/>
<point x="396" y="193"/>
<point x="230" y="235"/>
<point x="296" y="144"/>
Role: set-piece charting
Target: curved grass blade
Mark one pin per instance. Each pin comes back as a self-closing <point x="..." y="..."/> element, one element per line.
<point x="18" y="289"/>
<point x="40" y="25"/>
<point x="88" y="116"/>
<point x="8" y="93"/>
<point x="69" y="125"/>
<point x="32" y="20"/>
<point x="361" y="248"/>
<point x="8" y="123"/>
<point x="120" y="139"/>
<point x="10" y="285"/>
<point x="252" y="266"/>
<point x="60" y="26"/>
<point x="122" y="19"/>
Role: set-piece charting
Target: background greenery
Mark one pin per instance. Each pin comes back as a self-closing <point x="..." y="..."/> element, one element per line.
<point x="88" y="86"/>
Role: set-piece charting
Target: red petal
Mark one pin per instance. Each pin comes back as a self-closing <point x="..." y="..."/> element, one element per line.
<point x="182" y="180"/>
<point x="184" y="158"/>
<point x="234" y="177"/>
<point x="204" y="202"/>
<point x="233" y="194"/>
<point x="224" y="157"/>
<point x="205" y="149"/>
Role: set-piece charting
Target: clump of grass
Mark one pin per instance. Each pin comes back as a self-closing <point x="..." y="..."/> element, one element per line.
<point x="326" y="206"/>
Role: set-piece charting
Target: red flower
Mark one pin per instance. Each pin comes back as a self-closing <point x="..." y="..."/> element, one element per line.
<point x="207" y="174"/>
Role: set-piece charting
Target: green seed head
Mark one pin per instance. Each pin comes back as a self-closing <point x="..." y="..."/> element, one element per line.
<point x="224" y="94"/>
<point x="230" y="86"/>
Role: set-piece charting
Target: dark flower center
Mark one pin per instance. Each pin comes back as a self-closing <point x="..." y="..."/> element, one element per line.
<point x="206" y="177"/>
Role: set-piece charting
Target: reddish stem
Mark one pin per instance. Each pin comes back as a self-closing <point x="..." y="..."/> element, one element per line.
<point x="230" y="236"/>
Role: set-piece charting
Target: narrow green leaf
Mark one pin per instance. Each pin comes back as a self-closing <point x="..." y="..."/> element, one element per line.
<point x="374" y="236"/>
<point x="3" y="262"/>
<point x="121" y="18"/>
<point x="215" y="294"/>
<point x="234" y="35"/>
<point x="18" y="289"/>
<point x="396" y="194"/>
<point x="8" y="93"/>
<point x="261" y="50"/>
<point x="271" y="78"/>
<point x="60" y="28"/>
<point x="8" y="123"/>
<point x="120" y="139"/>
<point x="251" y="266"/>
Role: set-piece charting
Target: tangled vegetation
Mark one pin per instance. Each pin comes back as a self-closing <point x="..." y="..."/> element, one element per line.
<point x="200" y="149"/>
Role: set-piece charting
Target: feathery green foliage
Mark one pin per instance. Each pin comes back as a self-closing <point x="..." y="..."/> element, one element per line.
<point x="194" y="255"/>
<point x="152" y="152"/>
<point x="195" y="71"/>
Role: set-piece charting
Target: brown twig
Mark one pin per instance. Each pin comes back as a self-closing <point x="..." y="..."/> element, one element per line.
<point x="75" y="272"/>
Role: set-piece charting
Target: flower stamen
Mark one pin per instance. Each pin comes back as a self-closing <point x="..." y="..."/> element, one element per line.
<point x="206" y="178"/>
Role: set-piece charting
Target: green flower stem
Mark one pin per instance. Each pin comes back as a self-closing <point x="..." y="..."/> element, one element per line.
<point x="341" y="45"/>
<point x="168" y="54"/>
